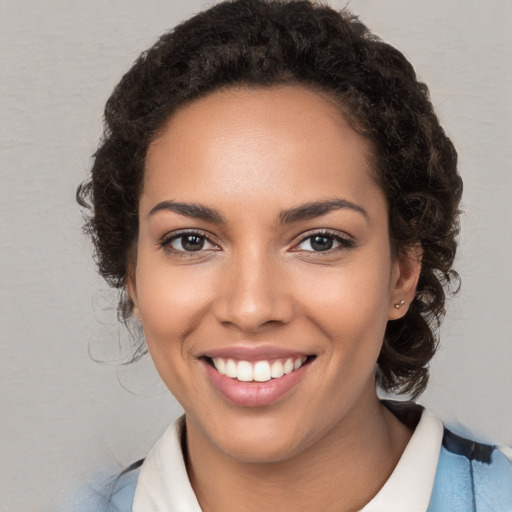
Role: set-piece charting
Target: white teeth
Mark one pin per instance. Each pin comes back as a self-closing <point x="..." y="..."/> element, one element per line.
<point x="288" y="366"/>
<point x="230" y="368"/>
<point x="220" y="364"/>
<point x="276" y="370"/>
<point x="244" y="371"/>
<point x="260" y="371"/>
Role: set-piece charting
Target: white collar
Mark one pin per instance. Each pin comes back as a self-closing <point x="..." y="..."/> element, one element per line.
<point x="163" y="484"/>
<point x="409" y="487"/>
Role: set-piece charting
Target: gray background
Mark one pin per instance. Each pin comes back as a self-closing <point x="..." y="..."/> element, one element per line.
<point x="64" y="417"/>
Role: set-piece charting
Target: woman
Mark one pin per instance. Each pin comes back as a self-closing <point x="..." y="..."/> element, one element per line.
<point x="278" y="203"/>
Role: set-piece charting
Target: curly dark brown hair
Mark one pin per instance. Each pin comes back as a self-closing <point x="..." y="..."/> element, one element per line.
<point x="263" y="43"/>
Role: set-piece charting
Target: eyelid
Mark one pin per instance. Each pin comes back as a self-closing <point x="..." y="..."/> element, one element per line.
<point x="165" y="241"/>
<point x="346" y="241"/>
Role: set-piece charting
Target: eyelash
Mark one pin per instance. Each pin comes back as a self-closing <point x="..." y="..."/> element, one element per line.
<point x="166" y="242"/>
<point x="344" y="242"/>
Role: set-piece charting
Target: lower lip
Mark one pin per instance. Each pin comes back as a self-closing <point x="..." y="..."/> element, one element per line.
<point x="254" y="394"/>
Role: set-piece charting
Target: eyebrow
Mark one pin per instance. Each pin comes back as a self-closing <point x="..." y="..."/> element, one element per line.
<point x="319" y="208"/>
<point x="193" y="210"/>
<point x="289" y="216"/>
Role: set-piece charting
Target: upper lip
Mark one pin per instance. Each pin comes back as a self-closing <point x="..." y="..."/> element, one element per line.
<point x="247" y="353"/>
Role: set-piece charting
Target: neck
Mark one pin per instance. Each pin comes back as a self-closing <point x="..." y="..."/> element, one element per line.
<point x="341" y="472"/>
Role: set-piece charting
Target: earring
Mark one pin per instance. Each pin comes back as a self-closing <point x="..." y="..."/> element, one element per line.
<point x="398" y="305"/>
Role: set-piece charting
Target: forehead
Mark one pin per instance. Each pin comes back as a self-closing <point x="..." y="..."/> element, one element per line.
<point x="246" y="144"/>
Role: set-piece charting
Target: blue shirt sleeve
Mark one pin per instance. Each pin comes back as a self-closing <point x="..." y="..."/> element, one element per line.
<point x="106" y="494"/>
<point x="468" y="485"/>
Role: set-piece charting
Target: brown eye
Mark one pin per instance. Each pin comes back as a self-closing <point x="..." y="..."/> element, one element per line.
<point x="321" y="242"/>
<point x="324" y="242"/>
<point x="191" y="242"/>
<point x="187" y="242"/>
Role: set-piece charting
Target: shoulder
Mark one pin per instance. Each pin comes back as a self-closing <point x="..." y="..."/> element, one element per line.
<point x="471" y="476"/>
<point x="466" y="475"/>
<point x="121" y="498"/>
<point x="107" y="493"/>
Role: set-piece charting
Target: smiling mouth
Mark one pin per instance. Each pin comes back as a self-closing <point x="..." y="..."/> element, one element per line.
<point x="257" y="371"/>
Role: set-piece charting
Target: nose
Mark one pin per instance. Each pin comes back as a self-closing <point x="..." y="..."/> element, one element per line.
<point x="253" y="294"/>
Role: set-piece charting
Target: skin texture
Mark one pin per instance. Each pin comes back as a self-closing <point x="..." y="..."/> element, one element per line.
<point x="250" y="154"/>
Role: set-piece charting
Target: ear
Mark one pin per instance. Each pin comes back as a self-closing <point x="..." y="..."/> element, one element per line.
<point x="405" y="275"/>
<point x="131" y="289"/>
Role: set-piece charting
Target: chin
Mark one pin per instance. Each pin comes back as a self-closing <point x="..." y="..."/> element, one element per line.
<point x="262" y="442"/>
<point x="268" y="451"/>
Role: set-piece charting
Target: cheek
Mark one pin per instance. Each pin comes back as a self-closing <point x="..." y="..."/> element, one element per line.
<point x="347" y="295"/>
<point x="349" y="305"/>
<point x="171" y="301"/>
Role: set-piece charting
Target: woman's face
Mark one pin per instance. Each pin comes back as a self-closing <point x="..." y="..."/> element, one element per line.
<point x="264" y="276"/>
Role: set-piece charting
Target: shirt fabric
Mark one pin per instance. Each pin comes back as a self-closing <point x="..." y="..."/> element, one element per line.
<point x="437" y="472"/>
